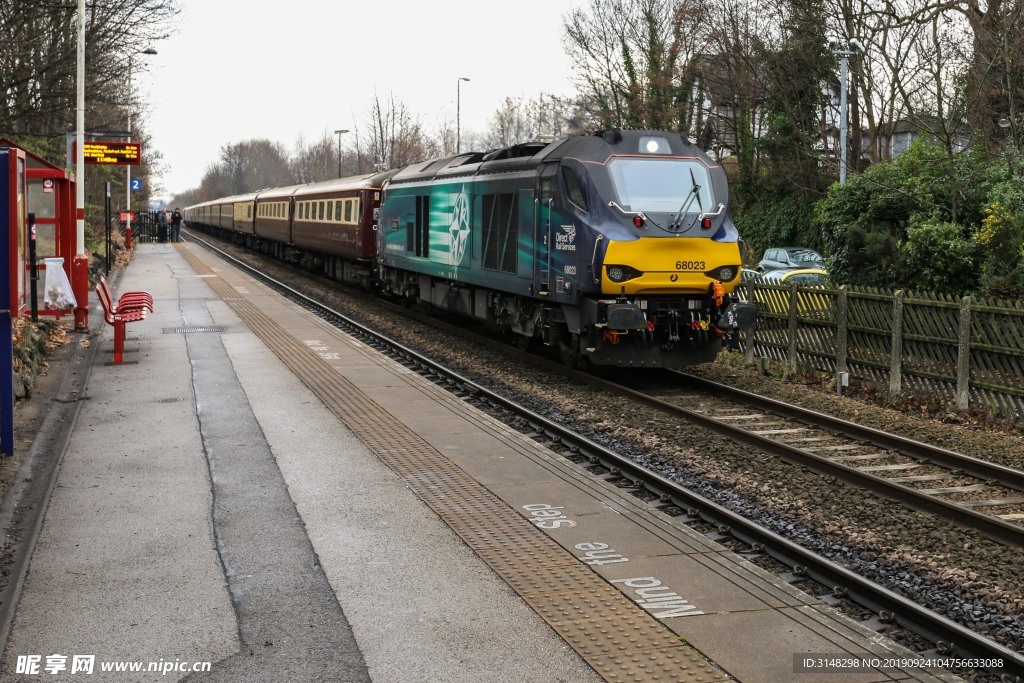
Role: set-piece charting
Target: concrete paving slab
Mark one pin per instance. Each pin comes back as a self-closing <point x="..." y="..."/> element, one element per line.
<point x="389" y="558"/>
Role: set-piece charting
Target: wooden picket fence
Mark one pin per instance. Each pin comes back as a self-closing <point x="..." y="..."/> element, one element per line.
<point x="965" y="349"/>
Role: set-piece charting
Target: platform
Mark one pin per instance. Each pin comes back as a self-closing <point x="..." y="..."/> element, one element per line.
<point x="257" y="496"/>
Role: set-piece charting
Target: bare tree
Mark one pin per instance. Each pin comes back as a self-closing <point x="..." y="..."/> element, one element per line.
<point x="732" y="84"/>
<point x="395" y="138"/>
<point x="252" y="165"/>
<point x="311" y="163"/>
<point x="634" y="59"/>
<point x="38" y="61"/>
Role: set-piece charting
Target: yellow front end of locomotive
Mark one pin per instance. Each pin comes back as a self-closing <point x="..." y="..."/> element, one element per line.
<point x="656" y="266"/>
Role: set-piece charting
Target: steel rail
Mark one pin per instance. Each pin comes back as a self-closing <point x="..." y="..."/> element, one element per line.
<point x="975" y="467"/>
<point x="994" y="528"/>
<point x="951" y="639"/>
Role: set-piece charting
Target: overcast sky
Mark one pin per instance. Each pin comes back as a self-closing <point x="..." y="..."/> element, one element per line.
<point x="280" y="69"/>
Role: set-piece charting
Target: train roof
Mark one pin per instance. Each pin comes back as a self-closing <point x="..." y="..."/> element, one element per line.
<point x="277" y="192"/>
<point x="359" y="182"/>
<point x="526" y="156"/>
<point x="238" y="198"/>
<point x="516" y="157"/>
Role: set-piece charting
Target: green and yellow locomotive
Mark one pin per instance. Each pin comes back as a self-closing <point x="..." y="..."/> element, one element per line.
<point x="617" y="248"/>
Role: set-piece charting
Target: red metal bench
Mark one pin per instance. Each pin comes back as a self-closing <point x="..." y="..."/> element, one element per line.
<point x="131" y="307"/>
<point x="128" y="300"/>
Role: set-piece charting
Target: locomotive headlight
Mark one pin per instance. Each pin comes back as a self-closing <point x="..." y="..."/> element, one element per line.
<point x="723" y="273"/>
<point x="622" y="273"/>
<point x="654" y="145"/>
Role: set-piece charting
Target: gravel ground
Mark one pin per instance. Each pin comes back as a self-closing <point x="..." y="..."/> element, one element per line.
<point x="968" y="578"/>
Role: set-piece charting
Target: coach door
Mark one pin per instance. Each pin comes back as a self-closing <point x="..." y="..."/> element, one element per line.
<point x="543" y="202"/>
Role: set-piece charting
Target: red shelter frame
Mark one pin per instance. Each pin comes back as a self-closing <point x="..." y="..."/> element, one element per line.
<point x="51" y="196"/>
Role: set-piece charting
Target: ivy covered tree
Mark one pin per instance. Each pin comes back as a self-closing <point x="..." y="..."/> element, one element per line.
<point x="635" y="60"/>
<point x="797" y="71"/>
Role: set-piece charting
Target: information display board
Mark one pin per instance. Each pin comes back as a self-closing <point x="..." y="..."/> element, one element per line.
<point x="111" y="153"/>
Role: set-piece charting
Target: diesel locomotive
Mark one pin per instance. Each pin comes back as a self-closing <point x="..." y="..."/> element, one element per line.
<point x="618" y="248"/>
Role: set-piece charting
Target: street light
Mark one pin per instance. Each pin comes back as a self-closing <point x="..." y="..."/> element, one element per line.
<point x="855" y="48"/>
<point x="339" y="133"/>
<point x="128" y="168"/>
<point x="79" y="264"/>
<point x="458" y="113"/>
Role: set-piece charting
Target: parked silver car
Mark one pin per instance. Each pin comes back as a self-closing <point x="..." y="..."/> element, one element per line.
<point x="790" y="257"/>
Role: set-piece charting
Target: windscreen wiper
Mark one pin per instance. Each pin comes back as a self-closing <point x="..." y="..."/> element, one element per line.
<point x="677" y="221"/>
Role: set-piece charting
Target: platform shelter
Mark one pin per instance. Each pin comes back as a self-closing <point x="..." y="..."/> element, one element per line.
<point x="50" y="197"/>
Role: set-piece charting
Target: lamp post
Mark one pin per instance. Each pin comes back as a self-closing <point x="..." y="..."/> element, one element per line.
<point x="1009" y="124"/>
<point x="844" y="67"/>
<point x="80" y="262"/>
<point x="128" y="168"/>
<point x="339" y="133"/>
<point x="458" y="113"/>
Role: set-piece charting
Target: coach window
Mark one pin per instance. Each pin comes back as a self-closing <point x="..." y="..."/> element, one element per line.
<point x="337" y="209"/>
<point x="320" y="215"/>
<point x="330" y="211"/>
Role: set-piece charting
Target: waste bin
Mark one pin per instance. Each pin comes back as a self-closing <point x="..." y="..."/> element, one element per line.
<point x="58" y="294"/>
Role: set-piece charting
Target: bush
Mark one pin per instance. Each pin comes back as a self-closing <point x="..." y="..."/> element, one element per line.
<point x="938" y="257"/>
<point x="1001" y="241"/>
<point x="866" y="223"/>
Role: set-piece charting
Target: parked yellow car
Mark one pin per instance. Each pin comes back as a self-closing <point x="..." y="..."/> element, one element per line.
<point x="808" y="302"/>
<point x="812" y="277"/>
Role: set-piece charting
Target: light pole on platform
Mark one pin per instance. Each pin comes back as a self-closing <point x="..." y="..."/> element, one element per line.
<point x="128" y="168"/>
<point x="458" y="113"/>
<point x="339" y="133"/>
<point x="80" y="262"/>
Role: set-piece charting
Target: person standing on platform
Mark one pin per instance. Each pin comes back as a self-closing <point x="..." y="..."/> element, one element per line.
<point x="161" y="226"/>
<point x="175" y="225"/>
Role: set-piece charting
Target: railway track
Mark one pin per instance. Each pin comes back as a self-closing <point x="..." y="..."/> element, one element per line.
<point x="949" y="637"/>
<point x="970" y="492"/>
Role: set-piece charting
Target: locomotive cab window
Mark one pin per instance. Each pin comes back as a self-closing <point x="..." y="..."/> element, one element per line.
<point x="574" y="188"/>
<point x="661" y="185"/>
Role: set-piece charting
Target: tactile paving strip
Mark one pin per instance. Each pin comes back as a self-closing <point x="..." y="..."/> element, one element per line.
<point x="617" y="638"/>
